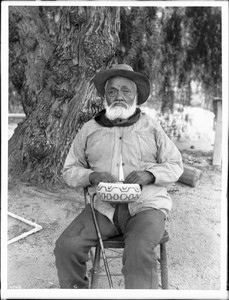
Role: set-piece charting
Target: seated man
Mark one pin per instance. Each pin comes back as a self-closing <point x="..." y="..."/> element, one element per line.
<point x="149" y="158"/>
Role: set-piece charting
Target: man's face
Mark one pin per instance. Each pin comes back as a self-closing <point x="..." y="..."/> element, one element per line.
<point x="120" y="91"/>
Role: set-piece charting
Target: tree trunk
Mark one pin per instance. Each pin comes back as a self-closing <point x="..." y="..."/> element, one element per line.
<point x="54" y="53"/>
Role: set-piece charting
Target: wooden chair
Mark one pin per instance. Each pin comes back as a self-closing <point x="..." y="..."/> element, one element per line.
<point x="117" y="242"/>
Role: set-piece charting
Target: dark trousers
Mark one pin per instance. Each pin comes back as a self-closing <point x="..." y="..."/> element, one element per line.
<point x="142" y="233"/>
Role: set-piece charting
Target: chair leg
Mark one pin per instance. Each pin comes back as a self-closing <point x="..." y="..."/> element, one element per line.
<point x="164" y="267"/>
<point x="95" y="270"/>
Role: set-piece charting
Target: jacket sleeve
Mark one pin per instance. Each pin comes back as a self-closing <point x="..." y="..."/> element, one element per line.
<point x="76" y="170"/>
<point x="169" y="166"/>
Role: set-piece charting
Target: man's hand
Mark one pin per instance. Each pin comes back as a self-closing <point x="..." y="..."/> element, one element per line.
<point x="96" y="177"/>
<point x="140" y="177"/>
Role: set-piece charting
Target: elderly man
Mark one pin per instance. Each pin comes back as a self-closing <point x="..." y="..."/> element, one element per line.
<point x="149" y="158"/>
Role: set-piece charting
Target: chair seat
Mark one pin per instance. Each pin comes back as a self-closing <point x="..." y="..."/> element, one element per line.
<point x="114" y="242"/>
<point x="118" y="242"/>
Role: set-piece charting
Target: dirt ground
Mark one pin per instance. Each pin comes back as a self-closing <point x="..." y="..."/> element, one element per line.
<point x="194" y="226"/>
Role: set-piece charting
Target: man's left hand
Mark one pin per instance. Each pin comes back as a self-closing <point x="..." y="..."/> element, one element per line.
<point x="140" y="177"/>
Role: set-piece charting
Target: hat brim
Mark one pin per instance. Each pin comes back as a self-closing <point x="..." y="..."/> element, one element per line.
<point x="142" y="82"/>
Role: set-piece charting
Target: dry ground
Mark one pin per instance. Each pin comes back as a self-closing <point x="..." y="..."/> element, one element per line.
<point x="194" y="228"/>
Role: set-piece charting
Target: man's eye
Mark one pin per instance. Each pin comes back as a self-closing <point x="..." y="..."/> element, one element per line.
<point x="111" y="93"/>
<point x="126" y="91"/>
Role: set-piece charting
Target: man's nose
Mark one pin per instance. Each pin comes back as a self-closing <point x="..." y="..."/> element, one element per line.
<point x="119" y="95"/>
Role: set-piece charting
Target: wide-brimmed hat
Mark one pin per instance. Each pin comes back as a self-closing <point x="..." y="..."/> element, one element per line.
<point x="123" y="70"/>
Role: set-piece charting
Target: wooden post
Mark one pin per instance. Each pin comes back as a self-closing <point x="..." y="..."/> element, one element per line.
<point x="217" y="154"/>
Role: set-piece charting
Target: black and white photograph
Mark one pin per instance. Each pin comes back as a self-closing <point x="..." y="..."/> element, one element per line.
<point x="114" y="149"/>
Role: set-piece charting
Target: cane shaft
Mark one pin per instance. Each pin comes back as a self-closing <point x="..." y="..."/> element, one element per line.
<point x="101" y="243"/>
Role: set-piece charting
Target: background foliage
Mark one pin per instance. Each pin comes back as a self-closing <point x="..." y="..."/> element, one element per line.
<point x="175" y="47"/>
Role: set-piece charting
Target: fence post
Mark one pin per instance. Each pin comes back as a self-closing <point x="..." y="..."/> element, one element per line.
<point x="217" y="154"/>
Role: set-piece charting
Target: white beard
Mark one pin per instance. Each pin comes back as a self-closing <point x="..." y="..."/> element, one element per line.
<point x="119" y="112"/>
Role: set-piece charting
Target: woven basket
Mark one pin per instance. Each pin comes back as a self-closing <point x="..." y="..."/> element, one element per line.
<point x="118" y="192"/>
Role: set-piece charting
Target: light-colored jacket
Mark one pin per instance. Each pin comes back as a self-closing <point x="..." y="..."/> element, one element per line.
<point x="143" y="145"/>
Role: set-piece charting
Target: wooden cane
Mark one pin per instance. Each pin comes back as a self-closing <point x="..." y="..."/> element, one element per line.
<point x="101" y="242"/>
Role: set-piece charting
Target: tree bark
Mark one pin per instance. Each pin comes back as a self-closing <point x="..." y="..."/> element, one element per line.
<point x="54" y="53"/>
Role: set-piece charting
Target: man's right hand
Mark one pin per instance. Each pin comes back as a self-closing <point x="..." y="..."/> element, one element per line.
<point x="96" y="177"/>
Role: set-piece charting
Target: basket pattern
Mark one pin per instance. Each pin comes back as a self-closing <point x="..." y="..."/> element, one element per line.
<point x="118" y="193"/>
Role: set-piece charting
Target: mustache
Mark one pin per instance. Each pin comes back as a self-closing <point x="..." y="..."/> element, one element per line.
<point x="119" y="102"/>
